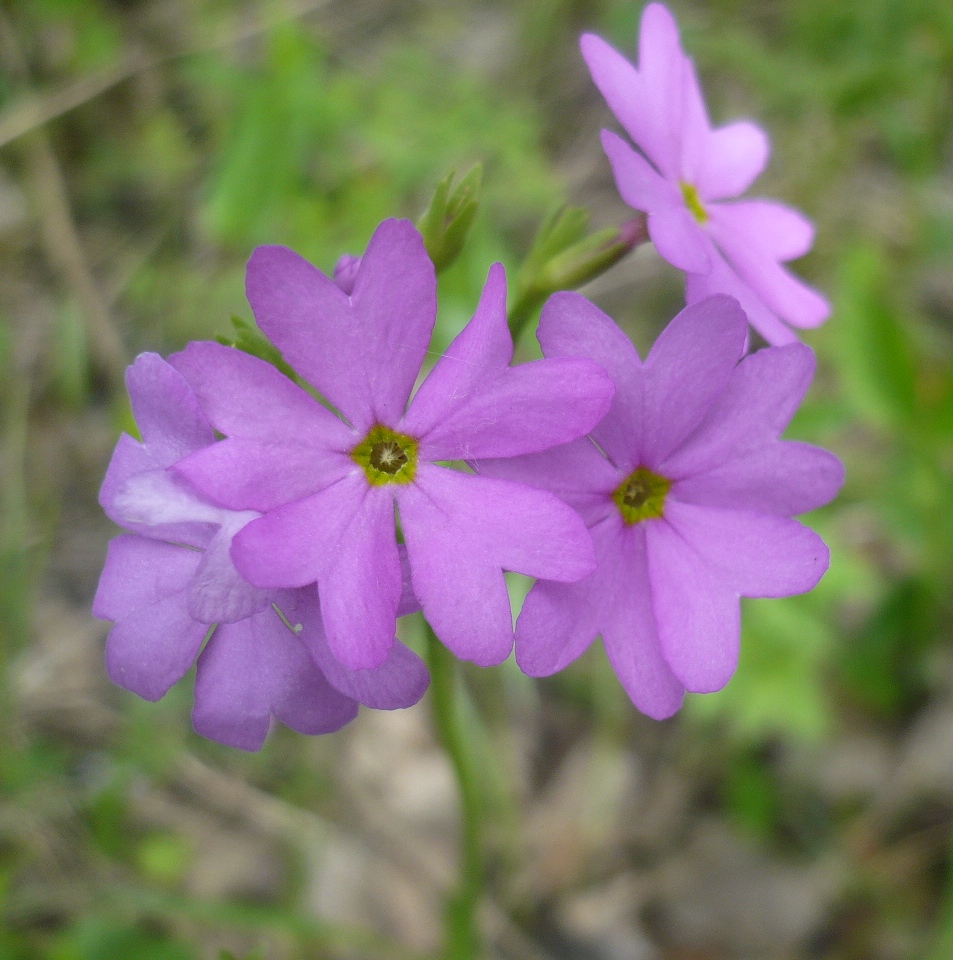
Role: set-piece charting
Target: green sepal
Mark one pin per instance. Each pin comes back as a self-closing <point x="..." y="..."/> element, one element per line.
<point x="445" y="224"/>
<point x="250" y="339"/>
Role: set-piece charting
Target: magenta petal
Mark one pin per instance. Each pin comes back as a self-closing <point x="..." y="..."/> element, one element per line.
<point x="689" y="366"/>
<point x="343" y="538"/>
<point x="138" y="573"/>
<point x="559" y="621"/>
<point x="782" y="478"/>
<point x="735" y="156"/>
<point x="248" y="398"/>
<point x="576" y="472"/>
<point x="789" y="297"/>
<point x="257" y="475"/>
<point x="253" y="669"/>
<point x="639" y="184"/>
<point x="477" y="527"/>
<point x="698" y="616"/>
<point x="400" y="681"/>
<point x="630" y="636"/>
<point x="218" y="592"/>
<point x="762" y="395"/>
<point x="364" y="352"/>
<point x="571" y="326"/>
<point x="755" y="554"/>
<point x="680" y="240"/>
<point x="778" y="231"/>
<point x="166" y="410"/>
<point x="724" y="280"/>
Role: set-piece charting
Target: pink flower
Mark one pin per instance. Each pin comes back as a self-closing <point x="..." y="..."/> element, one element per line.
<point x="688" y="494"/>
<point x="685" y="172"/>
<point x="328" y="485"/>
<point x="170" y="581"/>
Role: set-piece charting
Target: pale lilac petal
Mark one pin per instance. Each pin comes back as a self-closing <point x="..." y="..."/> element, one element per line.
<point x="138" y="573"/>
<point x="778" y="231"/>
<point x="571" y="326"/>
<point x="762" y="396"/>
<point x="756" y="555"/>
<point x="258" y="475"/>
<point x="724" y="280"/>
<point x="639" y="184"/>
<point x="246" y="397"/>
<point x="160" y="499"/>
<point x="576" y="472"/>
<point x="735" y="156"/>
<point x="559" y="621"/>
<point x="630" y="635"/>
<point x="343" y="538"/>
<point x="364" y="352"/>
<point x="789" y="297"/>
<point x="679" y="238"/>
<point x="253" y="669"/>
<point x="782" y="478"/>
<point x="408" y="599"/>
<point x="477" y="527"/>
<point x="218" y="592"/>
<point x="166" y="410"/>
<point x="696" y="129"/>
<point x="400" y="681"/>
<point x="687" y="369"/>
<point x="697" y="614"/>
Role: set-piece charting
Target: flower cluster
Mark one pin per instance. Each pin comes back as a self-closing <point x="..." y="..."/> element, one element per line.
<point x="277" y="527"/>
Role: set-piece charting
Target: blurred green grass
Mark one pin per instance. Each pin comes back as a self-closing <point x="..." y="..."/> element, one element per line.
<point x="308" y="133"/>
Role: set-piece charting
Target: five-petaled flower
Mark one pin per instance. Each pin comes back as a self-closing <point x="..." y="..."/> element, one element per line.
<point x="688" y="494"/>
<point x="685" y="172"/>
<point x="171" y="581"/>
<point x="327" y="485"/>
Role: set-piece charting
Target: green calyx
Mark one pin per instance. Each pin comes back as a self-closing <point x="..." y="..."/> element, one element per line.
<point x="641" y="496"/>
<point x="387" y="456"/>
<point x="694" y="203"/>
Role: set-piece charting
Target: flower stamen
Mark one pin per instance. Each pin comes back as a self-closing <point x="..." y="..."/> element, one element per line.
<point x="694" y="203"/>
<point x="387" y="456"/>
<point x="641" y="496"/>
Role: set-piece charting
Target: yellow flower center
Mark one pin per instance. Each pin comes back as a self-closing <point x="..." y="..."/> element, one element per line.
<point x="694" y="203"/>
<point x="641" y="496"/>
<point x="387" y="456"/>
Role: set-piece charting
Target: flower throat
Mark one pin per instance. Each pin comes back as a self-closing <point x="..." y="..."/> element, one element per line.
<point x="641" y="496"/>
<point x="387" y="456"/>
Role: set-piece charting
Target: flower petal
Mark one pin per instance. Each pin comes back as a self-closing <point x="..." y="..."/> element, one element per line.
<point x="638" y="183"/>
<point x="630" y="636"/>
<point x="400" y="681"/>
<point x="255" y="668"/>
<point x="679" y="238"/>
<point x="783" y="477"/>
<point x="559" y="621"/>
<point x="344" y="539"/>
<point x="259" y="475"/>
<point x="780" y="232"/>
<point x="246" y="397"/>
<point x="724" y="280"/>
<point x="571" y="326"/>
<point x="756" y="555"/>
<point x="734" y="157"/>
<point x="697" y="615"/>
<point x="474" y="404"/>
<point x="689" y="366"/>
<point x="364" y="352"/>
<point x="167" y="412"/>
<point x="762" y="395"/>
<point x="477" y="527"/>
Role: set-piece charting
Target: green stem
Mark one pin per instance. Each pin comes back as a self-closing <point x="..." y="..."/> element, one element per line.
<point x="462" y="935"/>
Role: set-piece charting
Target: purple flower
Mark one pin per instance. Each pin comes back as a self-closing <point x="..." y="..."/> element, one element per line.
<point x="688" y="494"/>
<point x="328" y="485"/>
<point x="686" y="170"/>
<point x="169" y="582"/>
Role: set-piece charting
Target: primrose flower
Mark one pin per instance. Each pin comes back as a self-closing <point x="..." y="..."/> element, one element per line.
<point x="685" y="172"/>
<point x="168" y="583"/>
<point x="327" y="485"/>
<point x="688" y="494"/>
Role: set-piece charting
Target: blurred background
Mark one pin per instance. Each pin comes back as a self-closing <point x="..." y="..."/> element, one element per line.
<point x="804" y="812"/>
